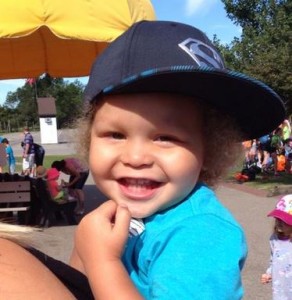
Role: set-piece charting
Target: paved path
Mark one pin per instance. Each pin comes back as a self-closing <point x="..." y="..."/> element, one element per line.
<point x="251" y="210"/>
<point x="248" y="206"/>
<point x="66" y="145"/>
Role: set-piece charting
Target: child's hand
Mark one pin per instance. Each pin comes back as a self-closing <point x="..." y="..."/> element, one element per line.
<point x="266" y="278"/>
<point x="99" y="243"/>
<point x="102" y="234"/>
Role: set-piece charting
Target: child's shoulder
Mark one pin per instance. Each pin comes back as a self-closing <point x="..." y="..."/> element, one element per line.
<point x="201" y="207"/>
<point x="199" y="220"/>
<point x="204" y="202"/>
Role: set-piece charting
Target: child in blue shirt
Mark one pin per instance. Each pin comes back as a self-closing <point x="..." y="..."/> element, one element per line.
<point x="10" y="156"/>
<point x="163" y="122"/>
<point x="161" y="128"/>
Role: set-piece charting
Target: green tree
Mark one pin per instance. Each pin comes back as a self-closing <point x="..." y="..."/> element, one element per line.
<point x="23" y="101"/>
<point x="68" y="102"/>
<point x="264" y="49"/>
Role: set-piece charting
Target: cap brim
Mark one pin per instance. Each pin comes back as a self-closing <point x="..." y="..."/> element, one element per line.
<point x="256" y="108"/>
<point x="285" y="217"/>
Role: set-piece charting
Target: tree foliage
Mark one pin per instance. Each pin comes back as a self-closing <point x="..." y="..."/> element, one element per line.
<point x="20" y="108"/>
<point x="264" y="49"/>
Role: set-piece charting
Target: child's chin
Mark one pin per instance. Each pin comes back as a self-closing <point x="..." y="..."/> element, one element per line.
<point x="139" y="214"/>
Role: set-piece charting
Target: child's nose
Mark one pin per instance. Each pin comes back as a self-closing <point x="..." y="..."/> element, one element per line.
<point x="137" y="154"/>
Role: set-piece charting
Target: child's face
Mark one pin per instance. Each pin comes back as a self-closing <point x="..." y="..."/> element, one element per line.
<point x="146" y="150"/>
<point x="283" y="227"/>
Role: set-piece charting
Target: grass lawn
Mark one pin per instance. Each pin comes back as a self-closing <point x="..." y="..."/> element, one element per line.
<point x="263" y="181"/>
<point x="47" y="162"/>
<point x="267" y="182"/>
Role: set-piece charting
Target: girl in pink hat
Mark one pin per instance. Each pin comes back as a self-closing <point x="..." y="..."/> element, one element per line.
<point x="279" y="271"/>
<point x="56" y="190"/>
<point x="58" y="193"/>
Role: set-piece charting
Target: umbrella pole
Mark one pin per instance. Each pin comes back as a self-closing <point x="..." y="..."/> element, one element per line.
<point x="35" y="89"/>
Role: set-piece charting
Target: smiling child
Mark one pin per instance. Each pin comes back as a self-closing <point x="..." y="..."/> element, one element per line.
<point x="163" y="123"/>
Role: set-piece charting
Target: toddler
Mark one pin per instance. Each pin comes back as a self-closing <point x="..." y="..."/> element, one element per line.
<point x="164" y="119"/>
<point x="280" y="268"/>
<point x="59" y="193"/>
<point x="10" y="156"/>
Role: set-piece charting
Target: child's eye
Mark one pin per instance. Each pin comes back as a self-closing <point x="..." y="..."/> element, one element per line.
<point x="117" y="136"/>
<point x="165" y="138"/>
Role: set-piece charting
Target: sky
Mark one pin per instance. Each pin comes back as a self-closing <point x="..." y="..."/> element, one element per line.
<point x="207" y="15"/>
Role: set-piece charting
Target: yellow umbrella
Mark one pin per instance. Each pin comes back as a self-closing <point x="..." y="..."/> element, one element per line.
<point x="61" y="37"/>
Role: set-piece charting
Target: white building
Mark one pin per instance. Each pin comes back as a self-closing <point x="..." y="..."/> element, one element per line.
<point x="48" y="121"/>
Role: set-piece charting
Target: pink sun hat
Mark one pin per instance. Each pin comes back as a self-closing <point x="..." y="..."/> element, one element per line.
<point x="283" y="210"/>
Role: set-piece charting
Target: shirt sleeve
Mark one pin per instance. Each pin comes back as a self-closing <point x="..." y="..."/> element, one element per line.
<point x="269" y="269"/>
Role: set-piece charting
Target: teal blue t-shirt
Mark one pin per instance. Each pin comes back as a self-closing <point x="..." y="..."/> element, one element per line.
<point x="11" y="158"/>
<point x="194" y="250"/>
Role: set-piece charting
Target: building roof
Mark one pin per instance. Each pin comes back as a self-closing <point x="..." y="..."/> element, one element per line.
<point x="46" y="107"/>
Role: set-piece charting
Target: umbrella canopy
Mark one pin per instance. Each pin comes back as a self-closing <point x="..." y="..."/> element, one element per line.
<point x="61" y="38"/>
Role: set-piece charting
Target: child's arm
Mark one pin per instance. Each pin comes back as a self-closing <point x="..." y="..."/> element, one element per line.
<point x="267" y="277"/>
<point x="99" y="243"/>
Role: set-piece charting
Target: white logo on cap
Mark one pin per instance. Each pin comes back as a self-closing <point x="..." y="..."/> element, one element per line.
<point x="201" y="53"/>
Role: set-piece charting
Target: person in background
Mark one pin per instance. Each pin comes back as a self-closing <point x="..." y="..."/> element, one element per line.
<point x="10" y="156"/>
<point x="264" y="151"/>
<point x="78" y="173"/>
<point x="251" y="151"/>
<point x="288" y="155"/>
<point x="3" y="160"/>
<point x="58" y="192"/>
<point x="28" y="153"/>
<point x="246" y="146"/>
<point x="276" y="148"/>
<point x="41" y="172"/>
<point x="279" y="271"/>
<point x="39" y="156"/>
<point x="286" y="130"/>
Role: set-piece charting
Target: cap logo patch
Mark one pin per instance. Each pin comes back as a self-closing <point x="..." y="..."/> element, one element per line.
<point x="201" y="53"/>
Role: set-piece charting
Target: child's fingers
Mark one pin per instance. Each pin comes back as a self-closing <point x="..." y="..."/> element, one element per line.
<point x="108" y="208"/>
<point x="265" y="278"/>
<point x="122" y="222"/>
<point x="111" y="217"/>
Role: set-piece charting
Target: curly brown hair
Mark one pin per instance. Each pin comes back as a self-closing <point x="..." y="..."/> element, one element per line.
<point x="221" y="140"/>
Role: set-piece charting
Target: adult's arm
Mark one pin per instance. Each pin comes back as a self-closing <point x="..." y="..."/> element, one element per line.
<point x="72" y="171"/>
<point x="23" y="276"/>
<point x="26" y="149"/>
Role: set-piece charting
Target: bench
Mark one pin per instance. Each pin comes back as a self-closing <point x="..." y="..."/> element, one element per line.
<point x="15" y="195"/>
<point x="49" y="207"/>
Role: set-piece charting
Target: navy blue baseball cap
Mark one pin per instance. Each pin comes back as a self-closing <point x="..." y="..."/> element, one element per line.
<point x="165" y="56"/>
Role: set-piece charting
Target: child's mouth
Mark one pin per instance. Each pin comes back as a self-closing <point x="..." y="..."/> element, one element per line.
<point x="138" y="188"/>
